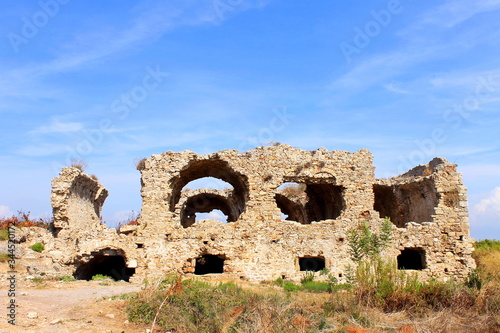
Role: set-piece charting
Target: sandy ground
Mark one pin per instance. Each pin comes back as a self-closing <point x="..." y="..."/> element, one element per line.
<point x="78" y="306"/>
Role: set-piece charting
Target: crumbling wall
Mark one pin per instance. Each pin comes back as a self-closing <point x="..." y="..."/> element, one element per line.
<point x="77" y="200"/>
<point x="427" y="205"/>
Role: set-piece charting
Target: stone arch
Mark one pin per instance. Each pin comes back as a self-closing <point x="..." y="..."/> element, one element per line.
<point x="216" y="168"/>
<point x="205" y="203"/>
<point x="107" y="261"/>
<point x="294" y="210"/>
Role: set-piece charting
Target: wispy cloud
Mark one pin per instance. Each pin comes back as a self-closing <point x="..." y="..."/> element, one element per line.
<point x="57" y="126"/>
<point x="454" y="12"/>
<point x="149" y="24"/>
<point x="421" y="42"/>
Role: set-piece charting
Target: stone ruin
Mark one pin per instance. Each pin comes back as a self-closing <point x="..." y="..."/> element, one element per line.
<point x="270" y="232"/>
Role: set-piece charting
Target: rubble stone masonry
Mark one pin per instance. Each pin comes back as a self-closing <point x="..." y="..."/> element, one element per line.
<point x="270" y="232"/>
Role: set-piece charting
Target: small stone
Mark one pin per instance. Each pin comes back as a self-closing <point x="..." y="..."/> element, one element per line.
<point x="110" y="315"/>
<point x="32" y="315"/>
<point x="56" y="321"/>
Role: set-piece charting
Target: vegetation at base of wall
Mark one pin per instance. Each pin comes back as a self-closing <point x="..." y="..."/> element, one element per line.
<point x="366" y="244"/>
<point x="378" y="289"/>
<point x="38" y="247"/>
<point x="194" y="306"/>
<point x="99" y="277"/>
<point x="21" y="220"/>
<point x="67" y="278"/>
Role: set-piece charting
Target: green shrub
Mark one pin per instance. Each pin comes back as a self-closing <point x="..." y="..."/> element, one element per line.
<point x="37" y="280"/>
<point x="4" y="234"/>
<point x="474" y="280"/>
<point x="38" y="247"/>
<point x="290" y="286"/>
<point x="487" y="244"/>
<point x="308" y="277"/>
<point x="278" y="282"/>
<point x="316" y="286"/>
<point x="365" y="243"/>
<point x="99" y="277"/>
<point x="67" y="278"/>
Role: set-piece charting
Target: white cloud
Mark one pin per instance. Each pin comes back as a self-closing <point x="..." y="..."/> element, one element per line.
<point x="454" y="12"/>
<point x="57" y="126"/>
<point x="5" y="211"/>
<point x="490" y="205"/>
<point x="150" y="23"/>
<point x="216" y="215"/>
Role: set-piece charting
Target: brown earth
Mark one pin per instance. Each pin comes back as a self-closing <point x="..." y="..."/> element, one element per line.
<point x="77" y="306"/>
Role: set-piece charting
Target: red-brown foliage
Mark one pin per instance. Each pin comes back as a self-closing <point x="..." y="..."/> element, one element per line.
<point x="23" y="220"/>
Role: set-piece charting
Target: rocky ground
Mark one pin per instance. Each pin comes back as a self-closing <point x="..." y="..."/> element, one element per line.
<point x="76" y="306"/>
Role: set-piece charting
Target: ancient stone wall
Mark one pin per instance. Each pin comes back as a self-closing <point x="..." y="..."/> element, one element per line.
<point x="270" y="232"/>
<point x="77" y="199"/>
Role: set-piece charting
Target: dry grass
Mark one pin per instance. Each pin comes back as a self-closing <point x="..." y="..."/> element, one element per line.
<point x="382" y="301"/>
<point x="79" y="164"/>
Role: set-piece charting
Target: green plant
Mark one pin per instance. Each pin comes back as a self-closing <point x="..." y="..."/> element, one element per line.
<point x="66" y="278"/>
<point x="291" y="287"/>
<point x="37" y="280"/>
<point x="487" y="244"/>
<point x="363" y="242"/>
<point x="279" y="282"/>
<point x="99" y="277"/>
<point x="308" y="277"/>
<point x="474" y="280"/>
<point x="317" y="286"/>
<point x="4" y="257"/>
<point x="4" y="234"/>
<point x="38" y="247"/>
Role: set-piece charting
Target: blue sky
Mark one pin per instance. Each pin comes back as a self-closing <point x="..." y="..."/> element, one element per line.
<point x="112" y="82"/>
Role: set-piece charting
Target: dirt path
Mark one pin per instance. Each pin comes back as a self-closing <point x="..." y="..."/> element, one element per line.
<point x="78" y="306"/>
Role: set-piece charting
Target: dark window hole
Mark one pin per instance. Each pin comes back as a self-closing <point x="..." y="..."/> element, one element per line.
<point x="209" y="264"/>
<point x="314" y="264"/>
<point x="113" y="266"/>
<point x="412" y="259"/>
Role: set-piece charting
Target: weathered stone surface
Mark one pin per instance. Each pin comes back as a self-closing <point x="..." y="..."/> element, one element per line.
<point x="427" y="205"/>
<point x="77" y="199"/>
